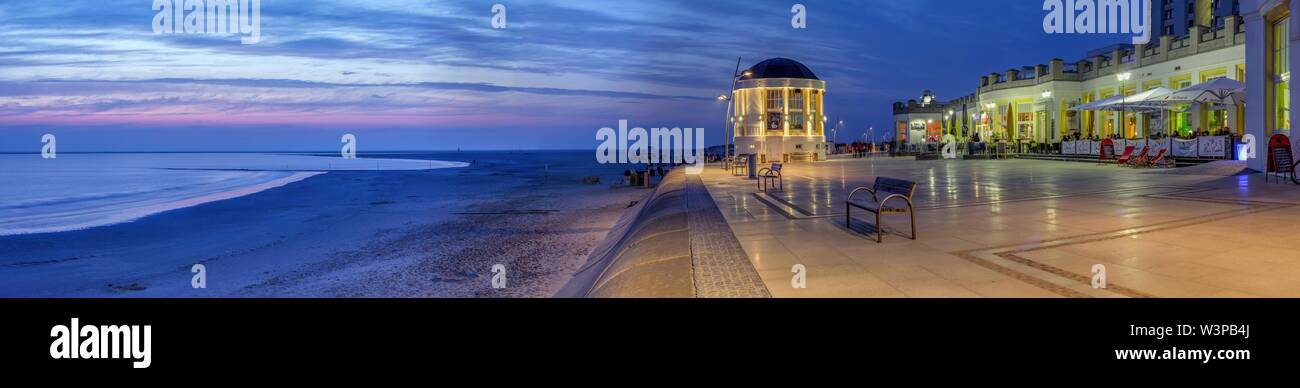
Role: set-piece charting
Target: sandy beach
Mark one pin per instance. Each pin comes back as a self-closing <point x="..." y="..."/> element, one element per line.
<point x="433" y="233"/>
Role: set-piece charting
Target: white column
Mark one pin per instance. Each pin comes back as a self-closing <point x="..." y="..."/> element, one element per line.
<point x="1256" y="82"/>
<point x="1295" y="59"/>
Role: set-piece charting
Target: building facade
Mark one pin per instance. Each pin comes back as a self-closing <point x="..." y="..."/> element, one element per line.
<point x="1032" y="104"/>
<point x="928" y="119"/>
<point x="1274" y="41"/>
<point x="779" y="115"/>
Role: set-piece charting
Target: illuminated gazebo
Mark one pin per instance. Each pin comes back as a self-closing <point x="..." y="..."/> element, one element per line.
<point x="778" y="112"/>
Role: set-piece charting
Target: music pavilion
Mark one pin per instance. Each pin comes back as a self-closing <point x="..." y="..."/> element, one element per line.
<point x="779" y="112"/>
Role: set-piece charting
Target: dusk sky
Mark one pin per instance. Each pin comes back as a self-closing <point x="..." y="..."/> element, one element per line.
<point x="412" y="74"/>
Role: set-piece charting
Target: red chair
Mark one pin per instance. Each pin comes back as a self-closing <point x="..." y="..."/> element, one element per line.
<point x="1158" y="160"/>
<point x="1140" y="158"/>
<point x="1128" y="154"/>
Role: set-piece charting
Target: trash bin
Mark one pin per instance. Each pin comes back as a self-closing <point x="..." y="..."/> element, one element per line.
<point x="752" y="163"/>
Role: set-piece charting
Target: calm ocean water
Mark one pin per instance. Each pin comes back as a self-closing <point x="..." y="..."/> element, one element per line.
<point x="79" y="191"/>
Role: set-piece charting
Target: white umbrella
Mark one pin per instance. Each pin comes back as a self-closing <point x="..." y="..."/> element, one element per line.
<point x="1136" y="102"/>
<point x="1219" y="91"/>
<point x="1095" y="104"/>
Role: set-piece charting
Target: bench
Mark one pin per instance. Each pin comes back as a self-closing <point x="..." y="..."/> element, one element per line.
<point x="766" y="175"/>
<point x="882" y="192"/>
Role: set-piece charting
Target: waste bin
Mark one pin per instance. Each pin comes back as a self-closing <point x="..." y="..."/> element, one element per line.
<point x="753" y="164"/>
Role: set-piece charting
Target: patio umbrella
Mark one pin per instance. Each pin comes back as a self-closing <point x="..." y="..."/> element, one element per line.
<point x="1219" y="91"/>
<point x="1136" y="102"/>
<point x="1095" y="104"/>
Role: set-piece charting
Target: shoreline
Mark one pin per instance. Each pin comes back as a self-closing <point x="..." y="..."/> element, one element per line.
<point x="79" y="192"/>
<point x="431" y="233"/>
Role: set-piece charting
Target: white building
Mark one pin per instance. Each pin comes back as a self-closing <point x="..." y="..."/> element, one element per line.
<point x="779" y="112"/>
<point x="1032" y="103"/>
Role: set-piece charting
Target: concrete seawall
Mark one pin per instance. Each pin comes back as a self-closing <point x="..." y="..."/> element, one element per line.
<point x="674" y="244"/>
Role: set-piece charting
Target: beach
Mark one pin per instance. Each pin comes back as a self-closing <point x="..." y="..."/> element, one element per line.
<point x="395" y="233"/>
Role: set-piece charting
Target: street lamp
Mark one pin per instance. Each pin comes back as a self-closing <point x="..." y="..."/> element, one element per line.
<point x="1123" y="101"/>
<point x="835" y="132"/>
<point x="731" y="121"/>
<point x="871" y="145"/>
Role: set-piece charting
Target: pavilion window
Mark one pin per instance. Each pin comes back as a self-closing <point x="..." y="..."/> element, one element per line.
<point x="774" y="99"/>
<point x="796" y="110"/>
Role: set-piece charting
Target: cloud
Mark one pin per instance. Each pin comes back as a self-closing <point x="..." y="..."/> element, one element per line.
<point x="560" y="63"/>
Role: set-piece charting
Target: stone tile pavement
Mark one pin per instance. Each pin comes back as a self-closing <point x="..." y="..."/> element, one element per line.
<point x="1019" y="228"/>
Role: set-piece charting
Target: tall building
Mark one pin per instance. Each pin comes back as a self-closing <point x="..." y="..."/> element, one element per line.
<point x="779" y="112"/>
<point x="1175" y="17"/>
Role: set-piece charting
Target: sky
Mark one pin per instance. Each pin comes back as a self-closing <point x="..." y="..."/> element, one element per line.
<point x="435" y="75"/>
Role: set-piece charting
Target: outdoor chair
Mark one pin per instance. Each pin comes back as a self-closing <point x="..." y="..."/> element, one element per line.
<point x="1160" y="160"/>
<point x="1128" y="154"/>
<point x="1141" y="157"/>
<point x="884" y="190"/>
<point x="767" y="175"/>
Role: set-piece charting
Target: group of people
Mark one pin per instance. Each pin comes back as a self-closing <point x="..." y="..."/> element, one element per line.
<point x="1075" y="135"/>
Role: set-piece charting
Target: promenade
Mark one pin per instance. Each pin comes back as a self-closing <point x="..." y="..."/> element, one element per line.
<point x="1019" y="228"/>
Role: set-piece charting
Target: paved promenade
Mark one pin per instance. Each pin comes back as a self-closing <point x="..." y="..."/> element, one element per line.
<point x="1019" y="228"/>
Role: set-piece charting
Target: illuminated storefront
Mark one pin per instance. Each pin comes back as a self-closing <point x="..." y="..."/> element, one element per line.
<point x="1030" y="102"/>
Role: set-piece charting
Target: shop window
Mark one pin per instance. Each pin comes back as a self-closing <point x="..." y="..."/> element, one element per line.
<point x="1281" y="74"/>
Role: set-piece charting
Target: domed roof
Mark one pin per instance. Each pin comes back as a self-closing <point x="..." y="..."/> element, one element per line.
<point x="779" y="68"/>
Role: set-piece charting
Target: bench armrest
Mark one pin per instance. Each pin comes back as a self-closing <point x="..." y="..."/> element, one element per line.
<point x="855" y="192"/>
<point x="892" y="196"/>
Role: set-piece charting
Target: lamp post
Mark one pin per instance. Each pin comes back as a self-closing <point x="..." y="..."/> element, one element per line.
<point x="835" y="132"/>
<point x="1123" y="100"/>
<point x="731" y="121"/>
<point x="871" y="144"/>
